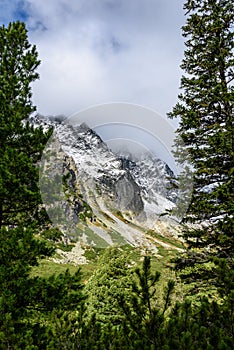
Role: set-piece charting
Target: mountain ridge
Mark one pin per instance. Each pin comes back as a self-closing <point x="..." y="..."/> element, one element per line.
<point x="111" y="187"/>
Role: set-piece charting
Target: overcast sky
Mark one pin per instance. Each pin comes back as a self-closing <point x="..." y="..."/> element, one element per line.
<point x="100" y="51"/>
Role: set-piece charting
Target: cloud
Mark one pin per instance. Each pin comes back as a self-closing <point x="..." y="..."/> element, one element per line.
<point x="100" y="51"/>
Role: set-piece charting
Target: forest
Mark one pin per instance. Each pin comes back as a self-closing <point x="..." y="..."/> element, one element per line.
<point x="121" y="305"/>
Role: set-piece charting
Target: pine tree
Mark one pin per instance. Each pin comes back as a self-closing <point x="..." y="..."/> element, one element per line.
<point x="111" y="279"/>
<point x="205" y="109"/>
<point x="33" y="309"/>
<point x="144" y="314"/>
<point x="21" y="145"/>
<point x="207" y="325"/>
<point x="25" y="301"/>
<point x="19" y="251"/>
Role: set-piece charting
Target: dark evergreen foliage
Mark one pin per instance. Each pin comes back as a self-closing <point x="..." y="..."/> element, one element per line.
<point x="144" y="316"/>
<point x="208" y="325"/>
<point x="29" y="306"/>
<point x="21" y="145"/>
<point x="205" y="109"/>
<point x="110" y="281"/>
<point x="25" y="302"/>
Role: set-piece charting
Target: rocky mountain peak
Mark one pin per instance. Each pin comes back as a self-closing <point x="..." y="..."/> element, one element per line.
<point x="123" y="182"/>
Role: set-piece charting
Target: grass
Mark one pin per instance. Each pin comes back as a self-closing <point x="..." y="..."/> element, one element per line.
<point x="47" y="268"/>
<point x="92" y="237"/>
<point x="107" y="216"/>
<point x="171" y="240"/>
<point x="117" y="238"/>
<point x="160" y="263"/>
<point x="119" y="215"/>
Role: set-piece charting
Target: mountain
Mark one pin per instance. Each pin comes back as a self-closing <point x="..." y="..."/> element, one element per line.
<point x="153" y="176"/>
<point x="106" y="198"/>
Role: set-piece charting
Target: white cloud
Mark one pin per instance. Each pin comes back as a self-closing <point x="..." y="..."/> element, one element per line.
<point x="101" y="51"/>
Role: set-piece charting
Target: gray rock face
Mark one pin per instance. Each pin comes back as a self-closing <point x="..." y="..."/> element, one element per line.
<point x="128" y="194"/>
<point x="152" y="175"/>
<point x="60" y="188"/>
<point x="98" y="175"/>
<point x="94" y="168"/>
<point x="85" y="184"/>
